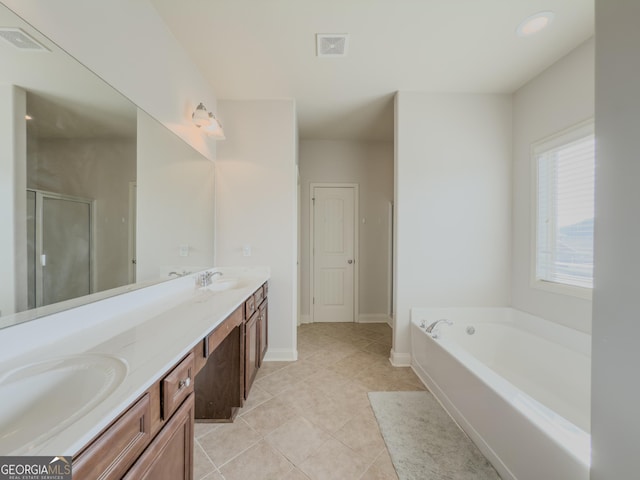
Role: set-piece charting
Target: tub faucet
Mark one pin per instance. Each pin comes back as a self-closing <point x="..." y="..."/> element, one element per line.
<point x="430" y="329"/>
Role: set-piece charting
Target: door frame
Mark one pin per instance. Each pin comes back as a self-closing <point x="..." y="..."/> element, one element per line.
<point x="356" y="243"/>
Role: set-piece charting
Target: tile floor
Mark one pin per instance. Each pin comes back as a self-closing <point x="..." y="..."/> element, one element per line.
<point x="310" y="419"/>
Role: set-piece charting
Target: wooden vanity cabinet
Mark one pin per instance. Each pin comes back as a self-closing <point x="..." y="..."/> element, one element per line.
<point x="153" y="438"/>
<point x="256" y="336"/>
<point x="150" y="425"/>
<point x="251" y="352"/>
<point x="111" y="454"/>
<point x="263" y="331"/>
<point x="170" y="454"/>
<point x="219" y="388"/>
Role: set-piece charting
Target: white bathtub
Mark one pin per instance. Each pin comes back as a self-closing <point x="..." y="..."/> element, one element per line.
<point x="519" y="387"/>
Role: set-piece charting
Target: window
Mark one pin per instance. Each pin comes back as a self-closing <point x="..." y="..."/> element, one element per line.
<point x="565" y="174"/>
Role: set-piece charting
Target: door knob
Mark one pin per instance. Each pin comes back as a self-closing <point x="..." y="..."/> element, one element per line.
<point x="349" y="262"/>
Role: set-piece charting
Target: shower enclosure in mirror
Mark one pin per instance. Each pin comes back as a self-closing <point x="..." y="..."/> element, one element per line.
<point x="60" y="245"/>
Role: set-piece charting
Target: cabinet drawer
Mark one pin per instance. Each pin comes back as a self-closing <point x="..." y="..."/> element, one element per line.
<point x="258" y="296"/>
<point x="249" y="307"/>
<point x="115" y="450"/>
<point x="216" y="337"/>
<point x="177" y="386"/>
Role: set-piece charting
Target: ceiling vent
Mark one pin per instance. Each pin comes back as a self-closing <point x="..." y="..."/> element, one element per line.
<point x="332" y="44"/>
<point x="21" y="40"/>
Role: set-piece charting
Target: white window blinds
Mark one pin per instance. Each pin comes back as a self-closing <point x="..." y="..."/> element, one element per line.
<point x="565" y="208"/>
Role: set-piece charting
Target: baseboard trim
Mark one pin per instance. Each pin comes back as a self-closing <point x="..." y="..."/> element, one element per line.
<point x="400" y="359"/>
<point x="374" y="318"/>
<point x="305" y="318"/>
<point x="281" y="355"/>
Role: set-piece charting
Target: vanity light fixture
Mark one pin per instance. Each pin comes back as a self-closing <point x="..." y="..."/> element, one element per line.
<point x="208" y="122"/>
<point x="534" y="24"/>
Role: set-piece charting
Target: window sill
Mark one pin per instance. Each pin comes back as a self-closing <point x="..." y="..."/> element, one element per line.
<point x="562" y="289"/>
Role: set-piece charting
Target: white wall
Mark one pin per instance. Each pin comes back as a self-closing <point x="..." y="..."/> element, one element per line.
<point x="127" y="44"/>
<point x="256" y="190"/>
<point x="616" y="298"/>
<point x="13" y="202"/>
<point x="176" y="191"/>
<point x="370" y="165"/>
<point x="453" y="204"/>
<point x="561" y="96"/>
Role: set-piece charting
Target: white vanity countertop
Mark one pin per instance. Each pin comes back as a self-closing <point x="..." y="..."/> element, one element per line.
<point x="150" y="329"/>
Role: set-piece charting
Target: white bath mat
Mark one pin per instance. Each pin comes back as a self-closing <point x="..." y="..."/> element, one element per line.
<point x="424" y="443"/>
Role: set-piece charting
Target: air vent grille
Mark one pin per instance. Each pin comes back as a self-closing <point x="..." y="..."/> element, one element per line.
<point x="331" y="44"/>
<point x="21" y="39"/>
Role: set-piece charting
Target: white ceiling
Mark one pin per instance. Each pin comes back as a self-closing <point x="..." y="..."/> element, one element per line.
<point x="266" y="49"/>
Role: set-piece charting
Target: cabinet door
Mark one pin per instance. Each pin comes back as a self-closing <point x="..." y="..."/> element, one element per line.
<point x="170" y="455"/>
<point x="263" y="331"/>
<point x="115" y="450"/>
<point x="250" y="352"/>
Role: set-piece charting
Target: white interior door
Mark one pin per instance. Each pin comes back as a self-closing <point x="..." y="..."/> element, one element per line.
<point x="333" y="254"/>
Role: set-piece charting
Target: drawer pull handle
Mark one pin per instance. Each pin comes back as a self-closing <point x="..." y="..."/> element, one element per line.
<point x="184" y="383"/>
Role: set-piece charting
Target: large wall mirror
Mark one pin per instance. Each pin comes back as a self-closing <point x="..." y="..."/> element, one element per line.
<point x="96" y="197"/>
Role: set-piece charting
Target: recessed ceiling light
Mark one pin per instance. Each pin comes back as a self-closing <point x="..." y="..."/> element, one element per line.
<point x="534" y="24"/>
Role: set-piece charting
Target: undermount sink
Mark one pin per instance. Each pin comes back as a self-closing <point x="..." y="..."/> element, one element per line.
<point x="221" y="283"/>
<point x="43" y="398"/>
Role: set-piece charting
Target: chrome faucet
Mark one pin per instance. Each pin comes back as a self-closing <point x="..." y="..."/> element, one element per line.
<point x="206" y="278"/>
<point x="430" y="329"/>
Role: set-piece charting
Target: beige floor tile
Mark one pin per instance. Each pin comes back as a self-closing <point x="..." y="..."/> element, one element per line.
<point x="213" y="476"/>
<point x="297" y="439"/>
<point x="334" y="461"/>
<point x="202" y="429"/>
<point x="301" y="370"/>
<point x="268" y="368"/>
<point x="267" y="417"/>
<point x="328" y="415"/>
<point x="295" y="474"/>
<point x="257" y="396"/>
<point x="276" y="382"/>
<point x="373" y="334"/>
<point x="376" y="381"/>
<point x="381" y="469"/>
<point x="324" y="358"/>
<point x="260" y="462"/>
<point x="351" y="395"/>
<point x="304" y="396"/>
<point x="378" y="349"/>
<point x="354" y="364"/>
<point x="228" y="441"/>
<point x="202" y="466"/>
<point x="362" y="435"/>
<point x="327" y="378"/>
<point x="311" y="419"/>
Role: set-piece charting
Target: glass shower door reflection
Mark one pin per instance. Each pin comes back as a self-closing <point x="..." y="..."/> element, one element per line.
<point x="63" y="248"/>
